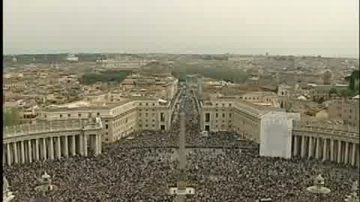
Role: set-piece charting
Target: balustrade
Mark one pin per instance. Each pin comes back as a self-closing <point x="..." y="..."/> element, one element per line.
<point x="24" y="129"/>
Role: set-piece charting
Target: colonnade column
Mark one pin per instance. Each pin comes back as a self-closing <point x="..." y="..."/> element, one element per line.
<point x="22" y="150"/>
<point x="73" y="145"/>
<point x="296" y="146"/>
<point x="37" y="150"/>
<point x="317" y="150"/>
<point x="97" y="145"/>
<point x="51" y="152"/>
<point x="30" y="151"/>
<point x="353" y="154"/>
<point x="4" y="155"/>
<point x="346" y="159"/>
<point x="44" y="148"/>
<point x="324" y="149"/>
<point x="16" y="160"/>
<point x="81" y="143"/>
<point x="339" y="152"/>
<point x="310" y="147"/>
<point x="8" y="154"/>
<point x="332" y="152"/>
<point x="85" y="145"/>
<point x="58" y="147"/>
<point x="65" y="149"/>
<point x="302" y="146"/>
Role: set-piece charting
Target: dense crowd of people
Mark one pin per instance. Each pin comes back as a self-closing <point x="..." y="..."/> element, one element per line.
<point x="143" y="168"/>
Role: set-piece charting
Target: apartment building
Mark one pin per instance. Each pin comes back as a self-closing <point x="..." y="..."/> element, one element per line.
<point x="346" y="111"/>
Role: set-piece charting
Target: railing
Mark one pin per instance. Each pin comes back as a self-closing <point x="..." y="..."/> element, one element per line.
<point x="50" y="126"/>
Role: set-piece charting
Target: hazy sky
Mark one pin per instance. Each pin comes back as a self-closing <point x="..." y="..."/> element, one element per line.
<point x="300" y="27"/>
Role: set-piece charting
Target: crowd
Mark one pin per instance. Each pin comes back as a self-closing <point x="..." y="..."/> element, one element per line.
<point x="119" y="174"/>
<point x="144" y="168"/>
<point x="232" y="175"/>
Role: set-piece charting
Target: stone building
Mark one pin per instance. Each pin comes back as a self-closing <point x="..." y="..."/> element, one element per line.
<point x="346" y="111"/>
<point x="119" y="118"/>
<point x="251" y="121"/>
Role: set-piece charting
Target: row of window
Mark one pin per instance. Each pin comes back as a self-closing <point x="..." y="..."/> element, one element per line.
<point x="217" y="104"/>
<point x="146" y="125"/>
<point x="146" y="104"/>
<point x="79" y="115"/>
<point x="207" y="116"/>
<point x="146" y="120"/>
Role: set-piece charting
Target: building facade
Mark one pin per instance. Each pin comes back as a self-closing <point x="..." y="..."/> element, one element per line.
<point x="119" y="119"/>
<point x="346" y="111"/>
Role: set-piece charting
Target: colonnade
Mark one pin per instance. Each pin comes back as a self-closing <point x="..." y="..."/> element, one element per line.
<point x="50" y="147"/>
<point x="326" y="149"/>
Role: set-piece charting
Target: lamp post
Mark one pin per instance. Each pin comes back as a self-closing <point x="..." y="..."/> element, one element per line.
<point x="318" y="188"/>
<point x="353" y="197"/>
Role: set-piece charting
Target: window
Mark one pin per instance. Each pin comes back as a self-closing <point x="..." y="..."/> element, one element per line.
<point x="162" y="127"/>
<point x="98" y="114"/>
<point x="140" y="125"/>
<point x="216" y="115"/>
<point x="153" y="120"/>
<point x="207" y="128"/>
<point x="106" y="126"/>
<point x="146" y="125"/>
<point x="153" y="104"/>
<point x="79" y="115"/>
<point x="223" y="105"/>
<point x="207" y="117"/>
<point x="223" y="115"/>
<point x="69" y="115"/>
<point x="229" y="115"/>
<point x="60" y="115"/>
<point x="162" y="117"/>
<point x="230" y="105"/>
<point x="153" y="125"/>
<point x="45" y="115"/>
<point x="146" y="114"/>
<point x="147" y="104"/>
